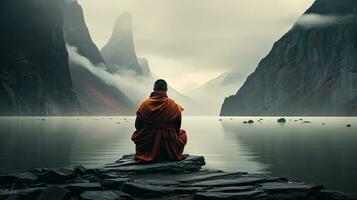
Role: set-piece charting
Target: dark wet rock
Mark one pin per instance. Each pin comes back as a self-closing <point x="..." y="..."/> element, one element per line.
<point x="333" y="195"/>
<point x="128" y="179"/>
<point x="243" y="180"/>
<point x="245" y="122"/>
<point x="250" y="121"/>
<point x="113" y="183"/>
<point x="232" y="189"/>
<point x="78" y="188"/>
<point x="273" y="187"/>
<point x="80" y="170"/>
<point x="28" y="193"/>
<point x="53" y="193"/>
<point x="128" y="164"/>
<point x="255" y="194"/>
<point x="281" y="120"/>
<point x="307" y="122"/>
<point x="21" y="177"/>
<point x="101" y="195"/>
<point x="348" y="125"/>
<point x="144" y="189"/>
<point x="210" y="176"/>
<point x="55" y="176"/>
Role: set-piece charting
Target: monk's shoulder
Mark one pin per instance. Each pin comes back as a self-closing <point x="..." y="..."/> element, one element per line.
<point x="143" y="103"/>
<point x="173" y="102"/>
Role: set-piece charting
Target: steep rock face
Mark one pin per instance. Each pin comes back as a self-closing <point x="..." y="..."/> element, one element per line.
<point x="119" y="52"/>
<point x="311" y="70"/>
<point x="34" y="73"/>
<point x="76" y="32"/>
<point x="96" y="96"/>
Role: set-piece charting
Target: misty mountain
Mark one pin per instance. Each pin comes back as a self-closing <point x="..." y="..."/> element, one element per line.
<point x="119" y="53"/>
<point x="95" y="95"/>
<point x="144" y="65"/>
<point x="214" y="91"/>
<point x="34" y="72"/>
<point x="311" y="70"/>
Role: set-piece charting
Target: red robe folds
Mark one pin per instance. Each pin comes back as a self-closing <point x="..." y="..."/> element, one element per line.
<point x="158" y="135"/>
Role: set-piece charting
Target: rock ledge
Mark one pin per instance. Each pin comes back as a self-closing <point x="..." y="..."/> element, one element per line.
<point x="128" y="179"/>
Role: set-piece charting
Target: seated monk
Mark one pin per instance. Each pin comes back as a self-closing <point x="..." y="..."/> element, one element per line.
<point x="158" y="120"/>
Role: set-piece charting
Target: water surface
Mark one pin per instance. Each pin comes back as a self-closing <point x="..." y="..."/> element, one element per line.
<point x="313" y="152"/>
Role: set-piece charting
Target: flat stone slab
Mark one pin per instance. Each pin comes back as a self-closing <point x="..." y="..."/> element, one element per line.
<point x="101" y="195"/>
<point x="128" y="164"/>
<point x="129" y="179"/>
<point x="240" y="181"/>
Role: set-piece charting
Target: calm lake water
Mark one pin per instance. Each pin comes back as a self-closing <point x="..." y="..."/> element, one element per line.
<point x="312" y="152"/>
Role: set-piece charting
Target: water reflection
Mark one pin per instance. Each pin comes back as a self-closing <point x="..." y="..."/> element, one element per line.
<point x="324" y="154"/>
<point x="313" y="152"/>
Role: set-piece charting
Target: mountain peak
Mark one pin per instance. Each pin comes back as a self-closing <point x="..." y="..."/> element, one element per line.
<point x="123" y="24"/>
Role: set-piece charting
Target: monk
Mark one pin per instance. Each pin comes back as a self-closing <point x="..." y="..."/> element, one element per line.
<point x="158" y="134"/>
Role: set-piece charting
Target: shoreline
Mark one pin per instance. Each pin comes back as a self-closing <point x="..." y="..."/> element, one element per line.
<point x="126" y="179"/>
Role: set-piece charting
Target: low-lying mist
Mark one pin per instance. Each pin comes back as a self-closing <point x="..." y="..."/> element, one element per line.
<point x="205" y="102"/>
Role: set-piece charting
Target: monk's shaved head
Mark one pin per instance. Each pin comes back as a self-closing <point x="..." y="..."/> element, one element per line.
<point x="160" y="85"/>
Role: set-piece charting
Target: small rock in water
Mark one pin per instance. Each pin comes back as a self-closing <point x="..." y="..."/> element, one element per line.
<point x="220" y="120"/>
<point x="43" y="119"/>
<point x="245" y="122"/>
<point x="306" y="122"/>
<point x="300" y="119"/>
<point x="118" y="122"/>
<point x="323" y="123"/>
<point x="348" y="125"/>
<point x="250" y="121"/>
<point x="281" y="120"/>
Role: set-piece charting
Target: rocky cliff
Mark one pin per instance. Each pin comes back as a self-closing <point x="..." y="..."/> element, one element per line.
<point x="119" y="53"/>
<point x="34" y="73"/>
<point x="311" y="70"/>
<point x="95" y="95"/>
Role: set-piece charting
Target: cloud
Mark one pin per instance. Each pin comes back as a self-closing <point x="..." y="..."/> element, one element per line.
<point x="317" y="20"/>
<point x="136" y="88"/>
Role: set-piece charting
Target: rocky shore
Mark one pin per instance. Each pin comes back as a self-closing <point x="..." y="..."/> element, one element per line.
<point x="127" y="179"/>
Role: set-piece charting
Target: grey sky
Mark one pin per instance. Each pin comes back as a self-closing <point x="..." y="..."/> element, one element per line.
<point x="189" y="42"/>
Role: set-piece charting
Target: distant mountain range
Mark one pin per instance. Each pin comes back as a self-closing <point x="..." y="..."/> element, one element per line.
<point x="311" y="70"/>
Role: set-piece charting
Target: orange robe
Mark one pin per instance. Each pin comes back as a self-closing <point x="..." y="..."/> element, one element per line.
<point x="158" y="135"/>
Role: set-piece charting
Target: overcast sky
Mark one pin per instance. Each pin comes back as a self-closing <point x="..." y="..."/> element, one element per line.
<point x="189" y="42"/>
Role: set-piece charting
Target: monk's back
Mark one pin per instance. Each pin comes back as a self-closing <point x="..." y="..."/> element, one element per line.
<point x="158" y="134"/>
